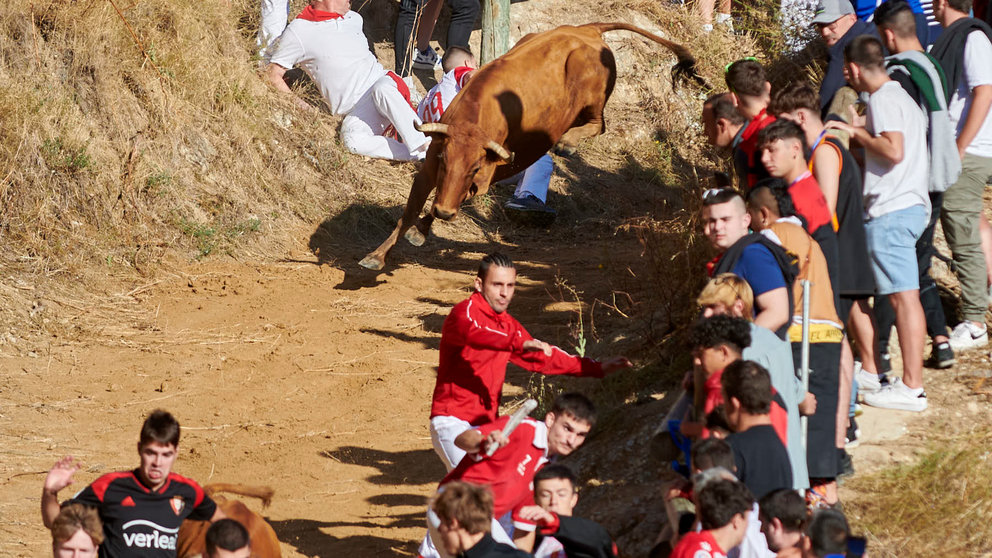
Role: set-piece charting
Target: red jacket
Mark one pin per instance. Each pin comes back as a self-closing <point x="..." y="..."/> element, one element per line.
<point x="476" y="344"/>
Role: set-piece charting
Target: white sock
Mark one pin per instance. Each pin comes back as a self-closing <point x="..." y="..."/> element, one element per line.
<point x="722" y="18"/>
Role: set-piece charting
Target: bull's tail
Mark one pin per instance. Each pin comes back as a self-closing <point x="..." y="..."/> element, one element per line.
<point x="686" y="67"/>
<point x="264" y="493"/>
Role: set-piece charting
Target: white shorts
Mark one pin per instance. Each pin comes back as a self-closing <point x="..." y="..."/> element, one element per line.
<point x="444" y="430"/>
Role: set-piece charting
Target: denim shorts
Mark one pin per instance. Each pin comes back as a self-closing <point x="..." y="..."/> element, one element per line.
<point x="892" y="248"/>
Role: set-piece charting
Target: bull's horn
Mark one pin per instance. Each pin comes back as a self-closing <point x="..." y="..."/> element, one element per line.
<point x="433" y="128"/>
<point x="499" y="150"/>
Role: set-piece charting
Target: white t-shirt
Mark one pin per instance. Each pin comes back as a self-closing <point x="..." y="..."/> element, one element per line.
<point x="889" y="187"/>
<point x="439" y="97"/>
<point x="977" y="71"/>
<point x="336" y="55"/>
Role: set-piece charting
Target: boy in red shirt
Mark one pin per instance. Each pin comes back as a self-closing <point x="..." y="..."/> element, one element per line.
<point x="723" y="509"/>
<point x="750" y="92"/>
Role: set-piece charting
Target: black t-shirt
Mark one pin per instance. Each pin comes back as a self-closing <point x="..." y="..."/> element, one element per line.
<point x="487" y="547"/>
<point x="140" y="523"/>
<point x="762" y="461"/>
<point x="582" y="538"/>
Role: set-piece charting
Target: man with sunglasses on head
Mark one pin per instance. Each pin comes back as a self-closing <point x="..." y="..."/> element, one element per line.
<point x="763" y="264"/>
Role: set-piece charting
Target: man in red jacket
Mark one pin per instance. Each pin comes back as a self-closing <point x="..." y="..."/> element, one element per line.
<point x="478" y="339"/>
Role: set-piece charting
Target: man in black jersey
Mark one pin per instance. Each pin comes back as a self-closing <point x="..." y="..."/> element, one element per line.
<point x="141" y="509"/>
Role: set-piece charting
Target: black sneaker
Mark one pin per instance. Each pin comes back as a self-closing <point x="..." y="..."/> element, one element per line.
<point x="530" y="210"/>
<point x="852" y="438"/>
<point x="884" y="363"/>
<point x="846" y="465"/>
<point x="941" y="356"/>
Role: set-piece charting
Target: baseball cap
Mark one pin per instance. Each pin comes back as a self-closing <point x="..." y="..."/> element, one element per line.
<point x="829" y="11"/>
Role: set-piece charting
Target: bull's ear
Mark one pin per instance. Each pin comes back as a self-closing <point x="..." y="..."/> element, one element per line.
<point x="497" y="152"/>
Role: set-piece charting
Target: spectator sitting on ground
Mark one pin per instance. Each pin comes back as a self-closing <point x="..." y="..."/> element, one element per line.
<point x="77" y="532"/>
<point x="761" y="457"/>
<point x="459" y="66"/>
<point x="461" y="514"/>
<point x="772" y="214"/>
<point x="728" y="294"/>
<point x="227" y="539"/>
<point x="559" y="533"/>
<point x="838" y="25"/>
<point x="783" y="519"/>
<point x="964" y="50"/>
<point x="723" y="507"/>
<point x="762" y="263"/>
<point x="897" y="207"/>
<point x="328" y="42"/>
<point x="750" y="92"/>
<point x="921" y="77"/>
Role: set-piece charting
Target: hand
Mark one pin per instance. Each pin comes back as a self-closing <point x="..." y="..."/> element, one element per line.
<point x="856" y="120"/>
<point x="495" y="439"/>
<point x="615" y="364"/>
<point x="807" y="407"/>
<point x="675" y="488"/>
<point x="838" y="125"/>
<point x="961" y="151"/>
<point x="537" y="514"/>
<point x="537" y="345"/>
<point x="60" y="476"/>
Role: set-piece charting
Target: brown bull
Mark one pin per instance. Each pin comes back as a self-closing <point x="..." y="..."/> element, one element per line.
<point x="549" y="88"/>
<point x="264" y="543"/>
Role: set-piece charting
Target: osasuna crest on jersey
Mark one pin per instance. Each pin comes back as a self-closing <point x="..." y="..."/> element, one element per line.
<point x="178" y="504"/>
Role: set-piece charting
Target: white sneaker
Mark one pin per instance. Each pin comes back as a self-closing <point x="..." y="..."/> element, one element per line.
<point x="426" y="59"/>
<point x="868" y="382"/>
<point x="898" y="396"/>
<point x="966" y="335"/>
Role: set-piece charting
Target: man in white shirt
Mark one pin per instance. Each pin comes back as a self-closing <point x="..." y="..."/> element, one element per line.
<point x="965" y="53"/>
<point x="897" y="208"/>
<point x="328" y="42"/>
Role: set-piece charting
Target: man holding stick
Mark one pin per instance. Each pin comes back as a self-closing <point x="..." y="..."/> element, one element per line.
<point x="478" y="339"/>
<point x="510" y="470"/>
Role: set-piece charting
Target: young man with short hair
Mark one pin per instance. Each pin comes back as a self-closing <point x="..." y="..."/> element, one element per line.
<point x="460" y="515"/>
<point x="750" y="92"/>
<point x="77" y="532"/>
<point x="783" y="519"/>
<point x="826" y="535"/>
<point x="759" y="261"/>
<point x="509" y="471"/>
<point x="723" y="509"/>
<point x="141" y="509"/>
<point x="478" y="339"/>
<point x="227" y="539"/>
<point x="964" y="50"/>
<point x="897" y="207"/>
<point x="559" y="533"/>
<point x="762" y="460"/>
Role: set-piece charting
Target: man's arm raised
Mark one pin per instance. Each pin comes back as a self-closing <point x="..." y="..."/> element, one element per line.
<point x="59" y="477"/>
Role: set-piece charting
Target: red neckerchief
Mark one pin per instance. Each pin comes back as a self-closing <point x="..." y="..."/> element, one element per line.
<point x="711" y="265"/>
<point x="460" y="72"/>
<point x="310" y="14"/>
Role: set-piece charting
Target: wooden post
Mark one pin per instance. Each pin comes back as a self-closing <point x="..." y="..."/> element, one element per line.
<point x="495" y="29"/>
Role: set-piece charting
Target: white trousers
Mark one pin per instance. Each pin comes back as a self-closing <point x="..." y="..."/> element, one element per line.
<point x="275" y="13"/>
<point x="380" y="107"/>
<point x="444" y="430"/>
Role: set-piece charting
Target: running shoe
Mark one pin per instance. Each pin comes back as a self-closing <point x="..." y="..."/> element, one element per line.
<point x="966" y="335"/>
<point x="898" y="396"/>
<point x="426" y="59"/>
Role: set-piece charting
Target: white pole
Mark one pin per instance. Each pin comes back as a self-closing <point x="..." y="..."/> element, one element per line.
<point x="804" y="354"/>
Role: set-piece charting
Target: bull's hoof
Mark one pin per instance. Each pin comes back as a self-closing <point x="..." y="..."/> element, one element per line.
<point x="565" y="150"/>
<point x="372" y="262"/>
<point x="415" y="237"/>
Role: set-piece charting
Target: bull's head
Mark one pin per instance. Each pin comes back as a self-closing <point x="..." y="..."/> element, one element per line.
<point x="467" y="157"/>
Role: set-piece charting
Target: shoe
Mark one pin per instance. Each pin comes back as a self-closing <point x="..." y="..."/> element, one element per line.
<point x="426" y="59"/>
<point x="853" y="437"/>
<point x="884" y="363"/>
<point x="530" y="210"/>
<point x="870" y="383"/>
<point x="941" y="356"/>
<point x="966" y="335"/>
<point x="846" y="465"/>
<point x="898" y="396"/>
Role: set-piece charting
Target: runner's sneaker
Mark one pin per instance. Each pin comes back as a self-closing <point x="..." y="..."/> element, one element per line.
<point x="941" y="356"/>
<point x="530" y="210"/>
<point x="870" y="383"/>
<point x="426" y="59"/>
<point x="898" y="396"/>
<point x="966" y="335"/>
